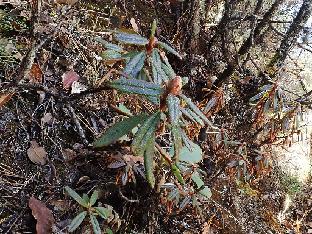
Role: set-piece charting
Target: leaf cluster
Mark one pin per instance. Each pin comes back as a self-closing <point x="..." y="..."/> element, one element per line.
<point x="88" y="202"/>
<point x="147" y="72"/>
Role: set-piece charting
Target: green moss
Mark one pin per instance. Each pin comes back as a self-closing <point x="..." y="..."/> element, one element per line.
<point x="290" y="184"/>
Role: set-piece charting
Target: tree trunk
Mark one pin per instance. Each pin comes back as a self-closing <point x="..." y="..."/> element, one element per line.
<point x="245" y="47"/>
<point x="292" y="34"/>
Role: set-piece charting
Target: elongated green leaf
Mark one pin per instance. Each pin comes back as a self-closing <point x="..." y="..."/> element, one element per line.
<point x="149" y="162"/>
<point x="204" y="190"/>
<point x="77" y="221"/>
<point x="128" y="56"/>
<point x="192" y="116"/>
<point x="85" y="198"/>
<point x="135" y="65"/>
<point x="197" y="179"/>
<point x="95" y="224"/>
<point x="257" y="96"/>
<point x="94" y="197"/>
<point x="174" y="109"/>
<point x="194" y="108"/>
<point x="144" y="134"/>
<point x="153" y="30"/>
<point x="103" y="212"/>
<point x="159" y="75"/>
<point x="118" y="130"/>
<point x="168" y="70"/>
<point x="169" y="49"/>
<point x="177" y="173"/>
<point x="137" y="87"/>
<point x="176" y="133"/>
<point x="186" y="141"/>
<point x="76" y="197"/>
<point x="133" y="39"/>
<point x="109" y="45"/>
<point x="110" y="55"/>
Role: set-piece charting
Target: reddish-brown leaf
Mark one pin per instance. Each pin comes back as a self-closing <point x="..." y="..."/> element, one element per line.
<point x="43" y="216"/>
<point x="35" y="73"/>
<point x="69" y="78"/>
<point x="4" y="98"/>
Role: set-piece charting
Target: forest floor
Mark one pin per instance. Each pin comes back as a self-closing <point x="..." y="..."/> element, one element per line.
<point x="66" y="124"/>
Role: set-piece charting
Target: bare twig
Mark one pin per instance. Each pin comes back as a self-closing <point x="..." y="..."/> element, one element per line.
<point x="78" y="125"/>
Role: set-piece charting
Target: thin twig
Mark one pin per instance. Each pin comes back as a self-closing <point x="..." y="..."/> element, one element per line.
<point x="78" y="125"/>
<point x="127" y="199"/>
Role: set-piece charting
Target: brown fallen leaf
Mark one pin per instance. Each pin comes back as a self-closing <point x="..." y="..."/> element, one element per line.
<point x="5" y="97"/>
<point x="36" y="153"/>
<point x="69" y="78"/>
<point x="43" y="216"/>
<point x="66" y="2"/>
<point x="35" y="73"/>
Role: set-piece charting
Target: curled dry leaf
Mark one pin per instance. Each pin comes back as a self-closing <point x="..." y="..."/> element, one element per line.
<point x="69" y="78"/>
<point x="43" y="216"/>
<point x="4" y="98"/>
<point x="36" y="153"/>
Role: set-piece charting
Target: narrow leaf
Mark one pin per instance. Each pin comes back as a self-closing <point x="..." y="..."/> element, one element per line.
<point x="103" y="212"/>
<point x="95" y="224"/>
<point x="149" y="162"/>
<point x="85" y="198"/>
<point x="159" y="75"/>
<point x="118" y="130"/>
<point x="177" y="141"/>
<point x="137" y="87"/>
<point x="192" y="116"/>
<point x="110" y="55"/>
<point x="174" y="109"/>
<point x="194" y="108"/>
<point x="94" y="197"/>
<point x="257" y="96"/>
<point x="168" y="70"/>
<point x="133" y="39"/>
<point x="109" y="45"/>
<point x="144" y="134"/>
<point x="169" y="49"/>
<point x="135" y="65"/>
<point x="76" y="197"/>
<point x="177" y="173"/>
<point x="77" y="221"/>
<point x="206" y="191"/>
<point x="153" y="30"/>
